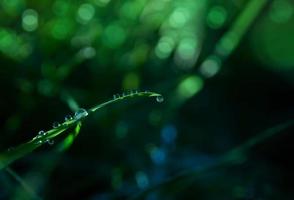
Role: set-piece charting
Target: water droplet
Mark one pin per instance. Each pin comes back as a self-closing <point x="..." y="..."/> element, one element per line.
<point x="41" y="132"/>
<point x="159" y="99"/>
<point x="39" y="142"/>
<point x="50" y="142"/>
<point x="81" y="113"/>
<point x="37" y="137"/>
<point x="67" y="118"/>
<point x="55" y="124"/>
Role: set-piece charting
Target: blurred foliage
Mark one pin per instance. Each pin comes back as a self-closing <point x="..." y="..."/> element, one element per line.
<point x="225" y="69"/>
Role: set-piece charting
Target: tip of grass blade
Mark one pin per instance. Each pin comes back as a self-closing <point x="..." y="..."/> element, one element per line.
<point x="123" y="96"/>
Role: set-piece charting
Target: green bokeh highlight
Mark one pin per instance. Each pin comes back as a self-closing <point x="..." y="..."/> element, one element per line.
<point x="30" y="20"/>
<point x="217" y="16"/>
<point x="189" y="86"/>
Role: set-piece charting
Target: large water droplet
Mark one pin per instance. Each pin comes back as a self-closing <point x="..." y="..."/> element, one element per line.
<point x="55" y="124"/>
<point x="159" y="99"/>
<point x="81" y="113"/>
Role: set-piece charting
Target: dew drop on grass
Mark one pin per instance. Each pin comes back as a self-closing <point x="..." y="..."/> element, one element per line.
<point x="37" y="137"/>
<point x="39" y="142"/>
<point x="159" y="99"/>
<point x="81" y="113"/>
<point x="50" y="142"/>
<point x="55" y="124"/>
<point x="41" y="132"/>
<point x="67" y="118"/>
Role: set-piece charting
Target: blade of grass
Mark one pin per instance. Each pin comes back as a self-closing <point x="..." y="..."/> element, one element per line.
<point x="13" y="154"/>
<point x="231" y="39"/>
<point x="118" y="97"/>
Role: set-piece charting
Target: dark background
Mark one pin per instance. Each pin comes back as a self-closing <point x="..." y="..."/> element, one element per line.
<point x="53" y="53"/>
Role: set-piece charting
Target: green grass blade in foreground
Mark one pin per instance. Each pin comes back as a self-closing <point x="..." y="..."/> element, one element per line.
<point x="20" y="151"/>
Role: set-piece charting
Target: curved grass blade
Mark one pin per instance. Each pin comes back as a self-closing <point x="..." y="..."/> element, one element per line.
<point x="13" y="154"/>
<point x="129" y="95"/>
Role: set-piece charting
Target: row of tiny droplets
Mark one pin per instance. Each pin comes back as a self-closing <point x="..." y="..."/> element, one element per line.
<point x="81" y="113"/>
<point x="159" y="99"/>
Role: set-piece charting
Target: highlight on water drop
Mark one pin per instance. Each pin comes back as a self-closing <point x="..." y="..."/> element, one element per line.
<point x="41" y="132"/>
<point x="68" y="118"/>
<point x="81" y="113"/>
<point x="55" y="124"/>
<point x="39" y="142"/>
<point x="50" y="142"/>
<point x="159" y="99"/>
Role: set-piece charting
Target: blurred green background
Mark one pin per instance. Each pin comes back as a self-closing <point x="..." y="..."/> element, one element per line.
<point x="225" y="69"/>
